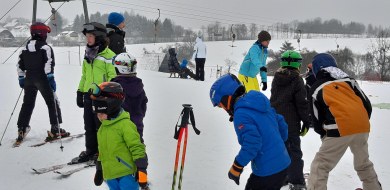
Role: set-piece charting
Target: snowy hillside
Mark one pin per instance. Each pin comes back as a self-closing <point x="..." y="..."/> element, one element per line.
<point x="209" y="155"/>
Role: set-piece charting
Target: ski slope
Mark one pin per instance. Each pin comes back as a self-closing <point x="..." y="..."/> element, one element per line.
<point x="209" y="155"/>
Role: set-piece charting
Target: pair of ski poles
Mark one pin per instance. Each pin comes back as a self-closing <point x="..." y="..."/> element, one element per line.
<point x="181" y="130"/>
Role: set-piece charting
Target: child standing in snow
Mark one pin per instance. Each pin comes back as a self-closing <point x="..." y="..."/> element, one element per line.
<point x="288" y="97"/>
<point x="121" y="153"/>
<point x="342" y="117"/>
<point x="260" y="130"/>
<point x="135" y="101"/>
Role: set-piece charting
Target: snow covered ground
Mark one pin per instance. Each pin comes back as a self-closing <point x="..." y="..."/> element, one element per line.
<point x="209" y="155"/>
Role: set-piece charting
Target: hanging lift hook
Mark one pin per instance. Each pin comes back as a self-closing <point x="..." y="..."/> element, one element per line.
<point x="233" y="35"/>
<point x="155" y="26"/>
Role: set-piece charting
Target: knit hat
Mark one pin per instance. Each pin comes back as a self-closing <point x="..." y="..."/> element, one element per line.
<point x="321" y="61"/>
<point x="115" y="18"/>
<point x="264" y="36"/>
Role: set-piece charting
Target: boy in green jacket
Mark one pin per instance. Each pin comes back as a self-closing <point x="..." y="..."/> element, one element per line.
<point x="122" y="159"/>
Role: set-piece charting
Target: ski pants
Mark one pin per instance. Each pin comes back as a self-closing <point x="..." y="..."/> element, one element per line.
<point x="199" y="65"/>
<point x="272" y="182"/>
<point x="91" y="126"/>
<point x="127" y="182"/>
<point x="31" y="86"/>
<point x="295" y="170"/>
<point x="249" y="82"/>
<point x="329" y="154"/>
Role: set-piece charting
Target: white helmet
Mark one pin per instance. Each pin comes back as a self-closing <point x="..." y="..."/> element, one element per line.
<point x="125" y="63"/>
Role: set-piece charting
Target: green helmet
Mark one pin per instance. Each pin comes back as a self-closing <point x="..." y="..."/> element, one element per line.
<point x="291" y="58"/>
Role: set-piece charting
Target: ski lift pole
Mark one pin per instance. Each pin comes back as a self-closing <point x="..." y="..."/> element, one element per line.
<point x="337" y="46"/>
<point x="155" y="26"/>
<point x="299" y="39"/>
<point x="233" y="35"/>
<point x="185" y="115"/>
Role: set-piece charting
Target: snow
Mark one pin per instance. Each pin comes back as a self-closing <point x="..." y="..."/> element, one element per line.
<point x="209" y="155"/>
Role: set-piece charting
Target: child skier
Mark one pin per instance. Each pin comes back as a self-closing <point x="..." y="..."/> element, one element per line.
<point x="135" y="101"/>
<point x="341" y="114"/>
<point x="260" y="131"/>
<point x="121" y="153"/>
<point x="288" y="97"/>
<point x="36" y="73"/>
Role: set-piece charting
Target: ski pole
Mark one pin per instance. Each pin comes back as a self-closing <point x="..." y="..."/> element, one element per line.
<point x="177" y="158"/>
<point x="58" y="122"/>
<point x="11" y="115"/>
<point x="183" y="157"/>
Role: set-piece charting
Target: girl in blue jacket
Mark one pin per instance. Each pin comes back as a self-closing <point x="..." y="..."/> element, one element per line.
<point x="261" y="132"/>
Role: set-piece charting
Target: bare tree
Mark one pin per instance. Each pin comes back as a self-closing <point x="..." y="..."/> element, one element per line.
<point x="380" y="51"/>
<point x="253" y="31"/>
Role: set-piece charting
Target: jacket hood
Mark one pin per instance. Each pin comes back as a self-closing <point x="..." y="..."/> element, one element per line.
<point x="253" y="100"/>
<point x="132" y="85"/>
<point x="285" y="76"/>
<point x="121" y="116"/>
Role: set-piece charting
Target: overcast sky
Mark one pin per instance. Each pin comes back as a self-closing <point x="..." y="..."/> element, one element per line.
<point x="195" y="13"/>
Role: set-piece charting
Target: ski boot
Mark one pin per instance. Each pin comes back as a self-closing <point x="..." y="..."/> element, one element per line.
<point x="84" y="157"/>
<point x="297" y="187"/>
<point x="54" y="133"/>
<point x="22" y="133"/>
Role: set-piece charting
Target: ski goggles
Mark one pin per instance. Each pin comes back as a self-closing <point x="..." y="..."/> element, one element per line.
<point x="96" y="92"/>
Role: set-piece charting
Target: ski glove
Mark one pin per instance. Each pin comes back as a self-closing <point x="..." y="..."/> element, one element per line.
<point x="235" y="172"/>
<point x="52" y="82"/>
<point x="305" y="128"/>
<point x="264" y="84"/>
<point x="264" y="69"/>
<point x="80" y="99"/>
<point x="21" y="81"/>
<point x="142" y="175"/>
<point x="98" y="179"/>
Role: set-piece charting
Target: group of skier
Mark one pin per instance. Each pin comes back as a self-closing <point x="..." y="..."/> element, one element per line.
<point x="269" y="130"/>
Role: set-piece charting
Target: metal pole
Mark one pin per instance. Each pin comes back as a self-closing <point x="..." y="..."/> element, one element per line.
<point x="86" y="15"/>
<point x="79" y="55"/>
<point x="34" y="17"/>
<point x="69" y="57"/>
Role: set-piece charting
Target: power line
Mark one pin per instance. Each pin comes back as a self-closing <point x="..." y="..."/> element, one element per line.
<point x="10" y="9"/>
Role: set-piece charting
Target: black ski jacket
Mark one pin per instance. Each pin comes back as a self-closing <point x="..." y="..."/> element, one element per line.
<point x="117" y="39"/>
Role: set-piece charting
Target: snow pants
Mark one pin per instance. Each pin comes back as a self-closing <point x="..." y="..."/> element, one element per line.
<point x="272" y="182"/>
<point x="249" y="83"/>
<point x="331" y="151"/>
<point x="91" y="126"/>
<point x="31" y="87"/>
<point x="123" y="183"/>
<point x="199" y="68"/>
<point x="295" y="170"/>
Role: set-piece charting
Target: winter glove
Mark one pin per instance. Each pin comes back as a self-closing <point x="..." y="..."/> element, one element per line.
<point x="21" y="81"/>
<point x="264" y="69"/>
<point x="264" y="84"/>
<point x="80" y="99"/>
<point x="305" y="128"/>
<point x="235" y="172"/>
<point x="141" y="174"/>
<point x="52" y="82"/>
<point x="98" y="179"/>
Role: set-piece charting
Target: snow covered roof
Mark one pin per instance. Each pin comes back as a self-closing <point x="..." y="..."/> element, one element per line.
<point x="11" y="24"/>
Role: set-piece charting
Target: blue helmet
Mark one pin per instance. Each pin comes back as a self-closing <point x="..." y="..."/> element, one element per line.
<point x="226" y="86"/>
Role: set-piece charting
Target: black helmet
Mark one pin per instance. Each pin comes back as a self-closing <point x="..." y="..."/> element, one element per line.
<point x="107" y="98"/>
<point x="95" y="28"/>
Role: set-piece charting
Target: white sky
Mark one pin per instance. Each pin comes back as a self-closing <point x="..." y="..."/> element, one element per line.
<point x="191" y="13"/>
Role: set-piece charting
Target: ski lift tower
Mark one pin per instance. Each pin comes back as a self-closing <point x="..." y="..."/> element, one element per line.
<point x="34" y="17"/>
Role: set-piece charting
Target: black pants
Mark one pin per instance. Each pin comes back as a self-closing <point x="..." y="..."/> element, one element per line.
<point x="200" y="68"/>
<point x="272" y="182"/>
<point x="91" y="126"/>
<point x="295" y="170"/>
<point x="31" y="86"/>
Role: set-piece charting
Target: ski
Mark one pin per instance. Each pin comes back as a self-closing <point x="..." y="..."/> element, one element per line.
<point x="18" y="143"/>
<point x="88" y="164"/>
<point x="56" y="167"/>
<point x="54" y="140"/>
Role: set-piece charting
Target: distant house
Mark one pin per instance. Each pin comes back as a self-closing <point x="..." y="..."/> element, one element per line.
<point x="6" y="38"/>
<point x="68" y="34"/>
<point x="21" y="31"/>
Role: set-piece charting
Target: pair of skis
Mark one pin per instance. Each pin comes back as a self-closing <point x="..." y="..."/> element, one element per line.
<point x="185" y="115"/>
<point x="56" y="168"/>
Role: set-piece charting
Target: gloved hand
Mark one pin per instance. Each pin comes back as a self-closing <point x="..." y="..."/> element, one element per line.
<point x="21" y="81"/>
<point x="80" y="99"/>
<point x="141" y="174"/>
<point x="264" y="84"/>
<point x="264" y="69"/>
<point x="52" y="82"/>
<point x="305" y="128"/>
<point x="98" y="179"/>
<point x="235" y="172"/>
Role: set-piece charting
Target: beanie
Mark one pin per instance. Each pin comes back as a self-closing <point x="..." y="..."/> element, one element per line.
<point x="322" y="60"/>
<point x="264" y="36"/>
<point x="115" y="18"/>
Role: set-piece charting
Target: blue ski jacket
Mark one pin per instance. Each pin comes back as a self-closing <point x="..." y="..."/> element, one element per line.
<point x="253" y="61"/>
<point x="261" y="133"/>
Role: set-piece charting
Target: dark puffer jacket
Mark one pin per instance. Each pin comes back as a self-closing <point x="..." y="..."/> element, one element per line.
<point x="288" y="97"/>
<point x="117" y="39"/>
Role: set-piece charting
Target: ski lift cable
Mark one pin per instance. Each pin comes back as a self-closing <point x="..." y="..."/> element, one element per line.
<point x="10" y="9"/>
<point x="30" y="36"/>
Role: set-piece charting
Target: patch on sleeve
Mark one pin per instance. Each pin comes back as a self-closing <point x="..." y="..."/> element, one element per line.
<point x="241" y="126"/>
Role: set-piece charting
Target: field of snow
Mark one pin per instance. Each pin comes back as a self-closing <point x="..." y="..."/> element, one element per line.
<point x="209" y="155"/>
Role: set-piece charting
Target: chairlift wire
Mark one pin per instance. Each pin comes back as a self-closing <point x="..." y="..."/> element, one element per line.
<point x="10" y="9"/>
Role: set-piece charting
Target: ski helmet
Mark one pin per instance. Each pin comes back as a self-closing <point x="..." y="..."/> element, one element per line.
<point x="107" y="97"/>
<point x="225" y="90"/>
<point x="125" y="64"/>
<point x="95" y="28"/>
<point x="39" y="30"/>
<point x="291" y="58"/>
